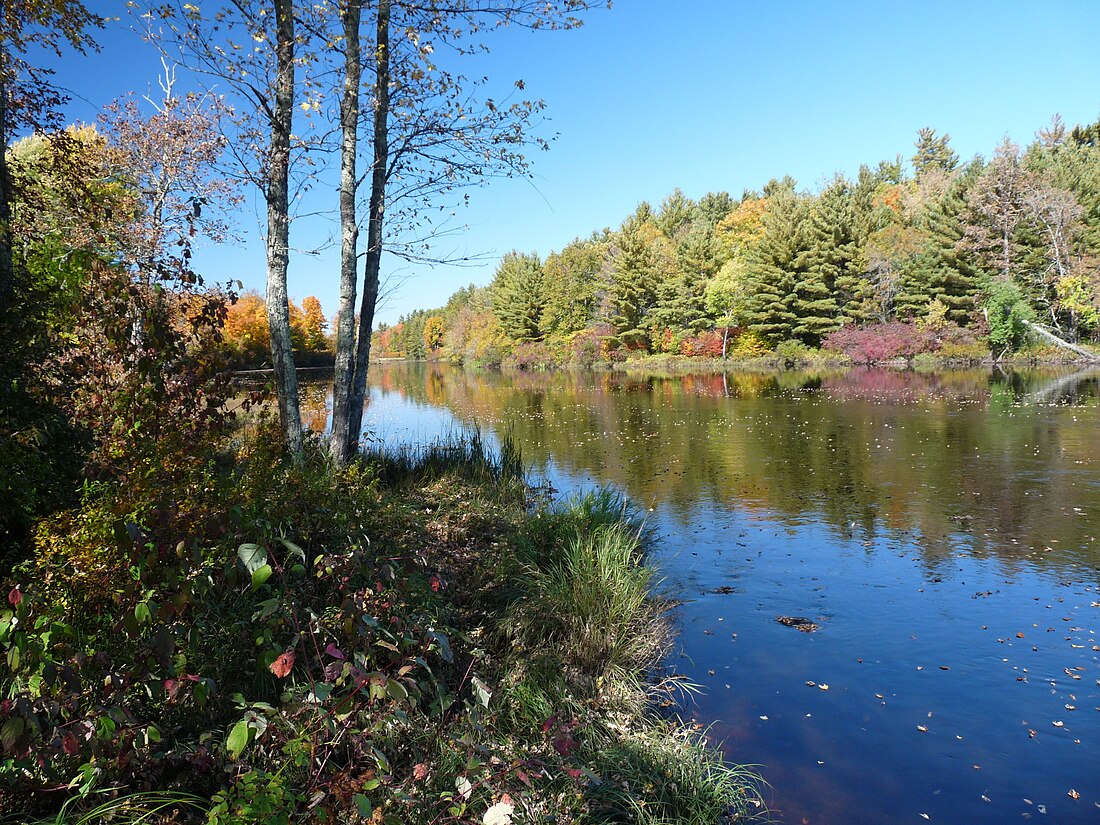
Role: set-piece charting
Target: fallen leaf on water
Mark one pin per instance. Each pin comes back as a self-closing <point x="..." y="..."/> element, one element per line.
<point x="823" y="687"/>
<point x="1073" y="794"/>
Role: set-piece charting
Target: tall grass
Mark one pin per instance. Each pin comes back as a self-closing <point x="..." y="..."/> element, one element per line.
<point x="143" y="808"/>
<point x="464" y="455"/>
<point x="586" y="593"/>
<point x="669" y="775"/>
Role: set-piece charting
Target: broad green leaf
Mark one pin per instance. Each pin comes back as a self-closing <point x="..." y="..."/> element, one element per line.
<point x="363" y="805"/>
<point x="260" y="575"/>
<point x="11" y="731"/>
<point x="396" y="690"/>
<point x="252" y="556"/>
<point x="237" y="740"/>
<point x="444" y="646"/>
<point x="142" y="614"/>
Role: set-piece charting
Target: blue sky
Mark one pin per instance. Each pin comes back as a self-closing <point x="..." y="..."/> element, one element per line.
<point x="707" y="95"/>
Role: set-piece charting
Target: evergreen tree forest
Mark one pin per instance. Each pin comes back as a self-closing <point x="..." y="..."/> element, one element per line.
<point x="932" y="254"/>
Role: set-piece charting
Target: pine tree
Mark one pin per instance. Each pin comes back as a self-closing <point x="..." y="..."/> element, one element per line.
<point x="773" y="267"/>
<point x="636" y="272"/>
<point x="933" y="153"/>
<point x="518" y="299"/>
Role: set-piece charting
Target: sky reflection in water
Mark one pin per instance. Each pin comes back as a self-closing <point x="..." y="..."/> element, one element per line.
<point x="940" y="529"/>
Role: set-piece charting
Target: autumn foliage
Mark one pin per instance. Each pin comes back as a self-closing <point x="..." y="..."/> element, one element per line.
<point x="246" y="330"/>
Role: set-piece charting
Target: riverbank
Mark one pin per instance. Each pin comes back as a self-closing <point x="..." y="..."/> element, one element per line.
<point x="412" y="639"/>
<point x="791" y="358"/>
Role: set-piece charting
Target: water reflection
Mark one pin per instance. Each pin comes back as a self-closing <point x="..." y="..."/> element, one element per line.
<point x="971" y="459"/>
<point x="940" y="528"/>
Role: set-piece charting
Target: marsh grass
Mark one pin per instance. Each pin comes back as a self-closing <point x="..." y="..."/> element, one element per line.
<point x="463" y="455"/>
<point x="665" y="773"/>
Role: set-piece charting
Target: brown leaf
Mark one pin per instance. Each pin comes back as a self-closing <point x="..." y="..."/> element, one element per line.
<point x="282" y="666"/>
<point x="420" y="770"/>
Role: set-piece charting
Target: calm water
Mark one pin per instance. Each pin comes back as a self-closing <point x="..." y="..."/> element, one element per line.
<point x="939" y="529"/>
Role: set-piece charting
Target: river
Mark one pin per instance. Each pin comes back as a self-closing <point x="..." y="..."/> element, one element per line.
<point x="938" y="529"/>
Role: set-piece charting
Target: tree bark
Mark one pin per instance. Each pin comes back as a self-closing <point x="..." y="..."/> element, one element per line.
<point x="278" y="230"/>
<point x="373" y="262"/>
<point x="344" y="438"/>
<point x="7" y="270"/>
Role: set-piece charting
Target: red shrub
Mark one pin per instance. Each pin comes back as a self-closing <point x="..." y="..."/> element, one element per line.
<point x="881" y="342"/>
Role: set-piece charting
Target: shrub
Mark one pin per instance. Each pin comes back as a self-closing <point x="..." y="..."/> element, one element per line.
<point x="532" y="355"/>
<point x="881" y="342"/>
<point x="706" y="345"/>
<point x="594" y="346"/>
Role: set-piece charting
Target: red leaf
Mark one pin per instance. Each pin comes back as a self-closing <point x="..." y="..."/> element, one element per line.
<point x="282" y="666"/>
<point x="437" y="585"/>
<point x="70" y="745"/>
<point x="335" y="652"/>
<point x="14" y="596"/>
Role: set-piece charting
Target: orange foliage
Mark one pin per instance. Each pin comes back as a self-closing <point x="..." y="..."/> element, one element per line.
<point x="246" y="331"/>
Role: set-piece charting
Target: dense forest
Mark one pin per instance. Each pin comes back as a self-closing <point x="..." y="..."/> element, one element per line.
<point x="936" y="255"/>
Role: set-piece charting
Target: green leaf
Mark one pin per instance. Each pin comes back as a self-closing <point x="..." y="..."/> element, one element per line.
<point x="295" y="549"/>
<point x="396" y="690"/>
<point x="444" y="646"/>
<point x="142" y="614"/>
<point x="152" y="734"/>
<point x="371" y="784"/>
<point x="252" y="556"/>
<point x="237" y="740"/>
<point x="260" y="575"/>
<point x="363" y="805"/>
<point x="11" y="731"/>
<point x="481" y="691"/>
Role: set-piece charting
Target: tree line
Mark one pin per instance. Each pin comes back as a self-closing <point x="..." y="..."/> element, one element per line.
<point x="962" y="253"/>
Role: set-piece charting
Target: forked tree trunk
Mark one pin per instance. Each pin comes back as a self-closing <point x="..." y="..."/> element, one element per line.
<point x="377" y="213"/>
<point x="278" y="230"/>
<point x="343" y="438"/>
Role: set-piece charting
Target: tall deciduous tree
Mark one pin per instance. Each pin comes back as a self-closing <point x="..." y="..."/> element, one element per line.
<point x="252" y="50"/>
<point x="28" y="97"/>
<point x="433" y="131"/>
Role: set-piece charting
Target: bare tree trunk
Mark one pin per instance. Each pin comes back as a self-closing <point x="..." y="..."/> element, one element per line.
<point x="1054" y="339"/>
<point x="343" y="438"/>
<point x="278" y="230"/>
<point x="7" y="271"/>
<point x="373" y="263"/>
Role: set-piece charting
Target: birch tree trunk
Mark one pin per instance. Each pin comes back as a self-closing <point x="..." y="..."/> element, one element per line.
<point x="7" y="271"/>
<point x="278" y="229"/>
<point x="373" y="263"/>
<point x="343" y="438"/>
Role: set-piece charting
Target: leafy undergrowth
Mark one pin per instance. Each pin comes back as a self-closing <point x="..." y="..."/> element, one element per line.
<point x="404" y="640"/>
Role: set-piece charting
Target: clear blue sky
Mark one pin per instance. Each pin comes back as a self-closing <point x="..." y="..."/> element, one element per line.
<point x="707" y="95"/>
